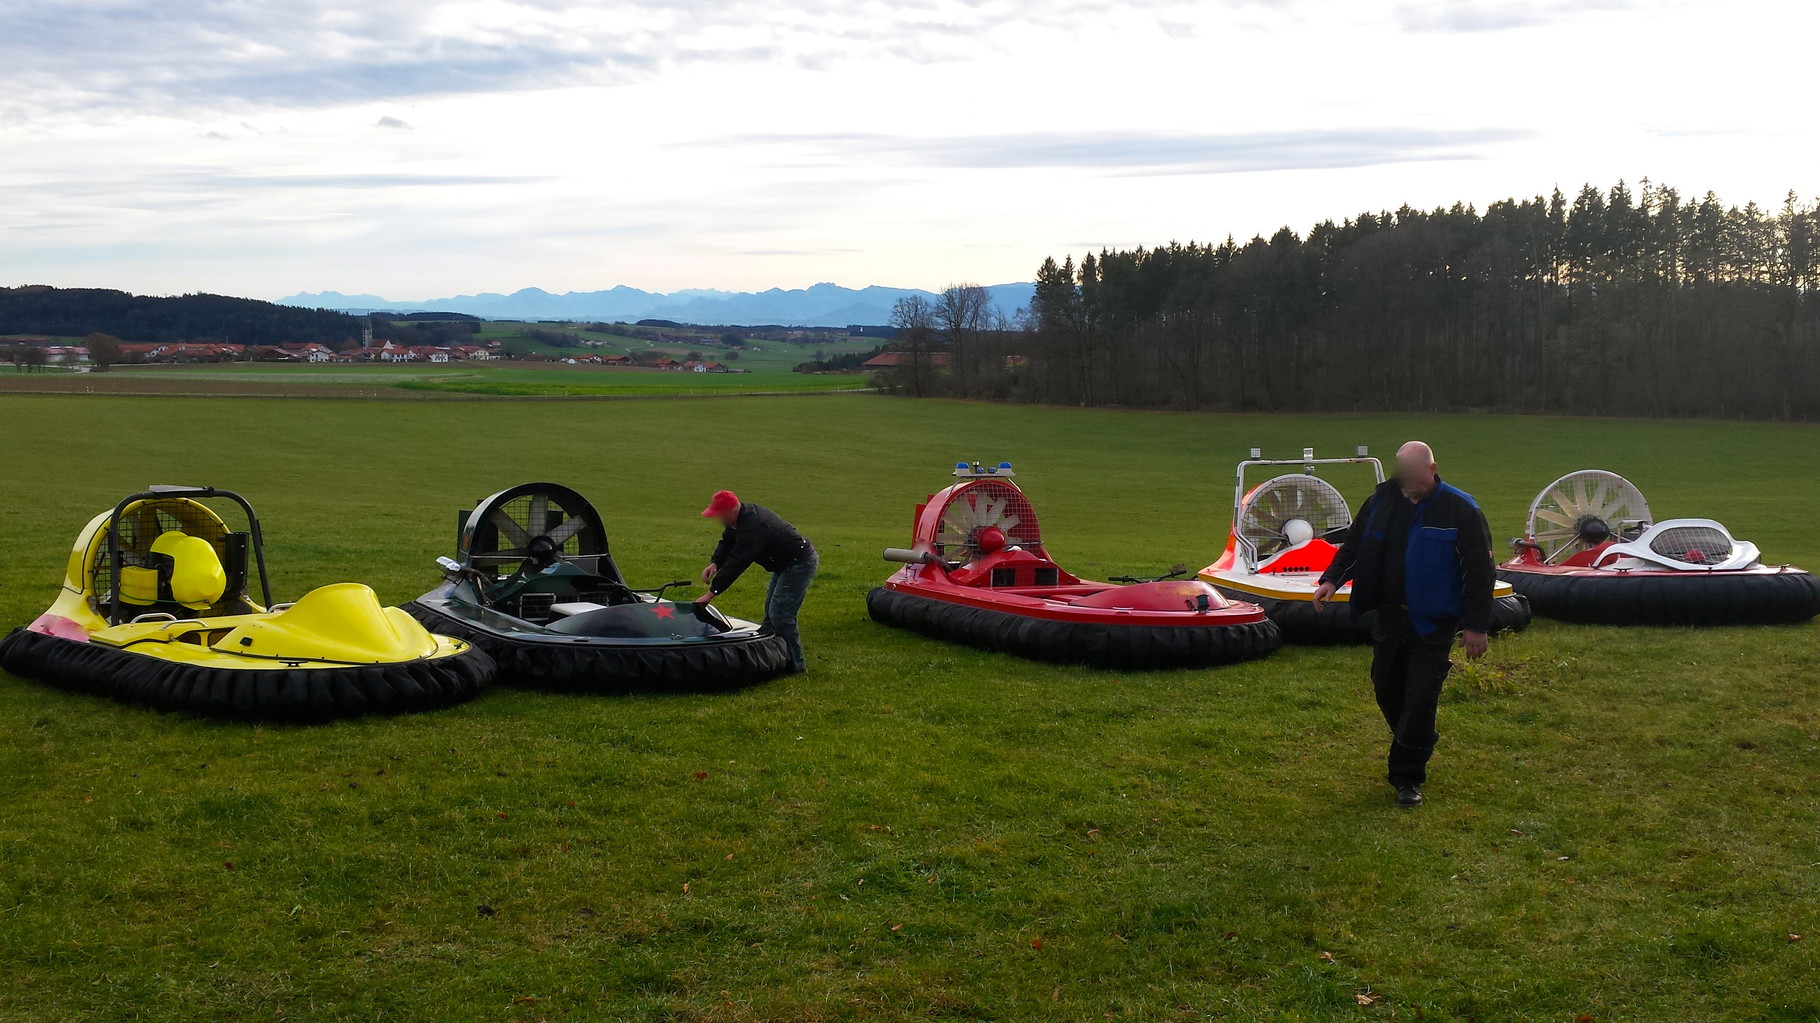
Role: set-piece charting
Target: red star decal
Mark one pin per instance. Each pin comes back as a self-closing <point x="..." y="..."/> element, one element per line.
<point x="665" y="611"/>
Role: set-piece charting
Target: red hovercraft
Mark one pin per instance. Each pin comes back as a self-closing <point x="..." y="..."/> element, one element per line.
<point x="1592" y="554"/>
<point x="978" y="574"/>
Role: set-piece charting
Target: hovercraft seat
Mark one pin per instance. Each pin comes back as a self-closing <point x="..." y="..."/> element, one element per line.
<point x="182" y="575"/>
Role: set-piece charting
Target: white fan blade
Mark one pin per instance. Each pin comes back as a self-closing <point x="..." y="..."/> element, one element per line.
<point x="1555" y="517"/>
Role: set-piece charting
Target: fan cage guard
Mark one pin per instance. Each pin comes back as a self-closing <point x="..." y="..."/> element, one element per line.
<point x="1679" y="541"/>
<point x="982" y="504"/>
<point x="1290" y="496"/>
<point x="1598" y="492"/>
<point x="144" y="523"/>
<point x="519" y="509"/>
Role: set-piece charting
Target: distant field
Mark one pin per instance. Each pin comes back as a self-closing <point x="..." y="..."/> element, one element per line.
<point x="1621" y="826"/>
<point x="767" y="367"/>
<point x="770" y="373"/>
<point x="707" y="341"/>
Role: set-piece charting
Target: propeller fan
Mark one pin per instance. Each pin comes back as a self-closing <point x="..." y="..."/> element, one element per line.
<point x="1290" y="510"/>
<point x="1583" y="509"/>
<point x="535" y="525"/>
<point x="988" y="504"/>
<point x="147" y="520"/>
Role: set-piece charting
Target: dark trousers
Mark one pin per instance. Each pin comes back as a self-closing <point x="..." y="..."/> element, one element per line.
<point x="784" y="598"/>
<point x="1407" y="671"/>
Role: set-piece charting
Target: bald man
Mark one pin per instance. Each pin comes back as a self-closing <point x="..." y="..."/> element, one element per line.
<point x="1419" y="554"/>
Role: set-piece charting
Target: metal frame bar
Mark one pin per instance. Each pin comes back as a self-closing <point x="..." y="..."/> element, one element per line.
<point x="1308" y="461"/>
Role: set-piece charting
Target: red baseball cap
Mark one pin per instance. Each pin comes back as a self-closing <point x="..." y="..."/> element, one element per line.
<point x="724" y="501"/>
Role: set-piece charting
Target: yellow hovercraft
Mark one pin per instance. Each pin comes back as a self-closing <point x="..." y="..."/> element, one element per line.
<point x="155" y="610"/>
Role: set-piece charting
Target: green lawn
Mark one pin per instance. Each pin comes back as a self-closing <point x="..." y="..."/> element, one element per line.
<point x="757" y="352"/>
<point x="1621" y="824"/>
<point x="770" y="373"/>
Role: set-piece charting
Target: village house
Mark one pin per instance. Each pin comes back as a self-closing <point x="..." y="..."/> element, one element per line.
<point x="187" y="352"/>
<point x="309" y="352"/>
<point x="893" y="360"/>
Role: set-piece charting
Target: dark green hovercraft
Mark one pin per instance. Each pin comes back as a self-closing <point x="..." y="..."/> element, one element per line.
<point x="534" y="584"/>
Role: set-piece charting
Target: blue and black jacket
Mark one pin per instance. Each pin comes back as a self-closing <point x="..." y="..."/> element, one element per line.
<point x="1447" y="567"/>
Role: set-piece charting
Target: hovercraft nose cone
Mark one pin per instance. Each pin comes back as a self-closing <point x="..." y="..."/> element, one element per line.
<point x="339" y="622"/>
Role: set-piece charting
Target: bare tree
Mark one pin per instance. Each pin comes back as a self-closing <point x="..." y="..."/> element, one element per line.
<point x="962" y="315"/>
<point x="914" y="318"/>
<point x="103" y="350"/>
<point x="24" y="357"/>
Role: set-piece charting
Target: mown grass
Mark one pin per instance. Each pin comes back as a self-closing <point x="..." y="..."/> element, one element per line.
<point x="770" y="373"/>
<point x="1621" y="823"/>
<point x="611" y="381"/>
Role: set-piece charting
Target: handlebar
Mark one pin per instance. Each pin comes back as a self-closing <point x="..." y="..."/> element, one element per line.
<point x="1175" y="573"/>
<point x="658" y="592"/>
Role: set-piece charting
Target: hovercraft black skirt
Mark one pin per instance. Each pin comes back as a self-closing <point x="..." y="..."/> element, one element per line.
<point x="1127" y="647"/>
<point x="1303" y="625"/>
<point x="1688" y="598"/>
<point x="298" y="695"/>
<point x="604" y="668"/>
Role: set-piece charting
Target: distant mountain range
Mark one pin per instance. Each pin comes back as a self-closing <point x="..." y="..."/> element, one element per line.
<point x="823" y="305"/>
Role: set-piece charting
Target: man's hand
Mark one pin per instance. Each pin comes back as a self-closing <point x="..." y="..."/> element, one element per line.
<point x="708" y="574"/>
<point x="705" y="599"/>
<point x="1474" y="643"/>
<point x="1322" y="594"/>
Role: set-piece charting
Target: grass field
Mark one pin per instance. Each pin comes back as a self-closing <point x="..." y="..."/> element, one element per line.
<point x="770" y="373"/>
<point x="758" y="353"/>
<point x="1621" y="824"/>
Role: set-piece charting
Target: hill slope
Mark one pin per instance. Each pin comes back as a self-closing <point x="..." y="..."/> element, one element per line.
<point x="74" y="312"/>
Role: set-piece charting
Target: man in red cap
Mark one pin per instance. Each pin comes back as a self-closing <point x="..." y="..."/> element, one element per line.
<point x="753" y="534"/>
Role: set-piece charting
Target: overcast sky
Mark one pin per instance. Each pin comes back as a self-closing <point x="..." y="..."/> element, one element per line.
<point x="417" y="149"/>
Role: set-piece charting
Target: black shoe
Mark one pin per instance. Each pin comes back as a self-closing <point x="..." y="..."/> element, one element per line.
<point x="1409" y="796"/>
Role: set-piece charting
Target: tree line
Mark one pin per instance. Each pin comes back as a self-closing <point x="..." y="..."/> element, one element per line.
<point x="1617" y="301"/>
<point x="416" y="333"/>
<point x="77" y="312"/>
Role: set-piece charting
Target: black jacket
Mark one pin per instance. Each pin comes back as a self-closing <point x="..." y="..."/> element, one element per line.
<point x="758" y="536"/>
<point x="1448" y="573"/>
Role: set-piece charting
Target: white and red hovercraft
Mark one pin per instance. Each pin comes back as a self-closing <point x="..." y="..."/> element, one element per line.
<point x="1591" y="553"/>
<point x="1285" y="532"/>
<point x="977" y="573"/>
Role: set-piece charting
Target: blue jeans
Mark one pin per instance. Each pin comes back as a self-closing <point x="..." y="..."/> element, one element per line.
<point x="784" y="598"/>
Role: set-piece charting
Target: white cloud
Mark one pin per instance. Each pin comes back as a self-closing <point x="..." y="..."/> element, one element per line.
<point x="1138" y="152"/>
<point x="167" y="55"/>
<point x="232" y="146"/>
